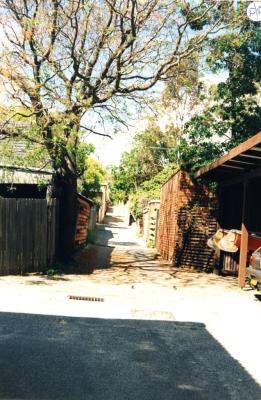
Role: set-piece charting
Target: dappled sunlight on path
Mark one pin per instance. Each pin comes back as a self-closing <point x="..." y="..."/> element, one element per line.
<point x="119" y="256"/>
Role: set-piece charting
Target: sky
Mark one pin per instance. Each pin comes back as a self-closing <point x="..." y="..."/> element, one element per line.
<point x="108" y="151"/>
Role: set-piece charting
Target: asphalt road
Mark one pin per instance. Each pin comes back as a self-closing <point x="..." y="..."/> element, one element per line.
<point x="52" y="358"/>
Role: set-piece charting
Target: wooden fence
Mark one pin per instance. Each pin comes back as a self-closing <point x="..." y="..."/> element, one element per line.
<point x="28" y="234"/>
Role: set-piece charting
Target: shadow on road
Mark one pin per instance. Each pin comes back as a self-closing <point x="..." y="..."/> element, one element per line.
<point x="113" y="262"/>
<point x="258" y="297"/>
<point x="51" y="357"/>
<point x="110" y="219"/>
<point x="92" y="258"/>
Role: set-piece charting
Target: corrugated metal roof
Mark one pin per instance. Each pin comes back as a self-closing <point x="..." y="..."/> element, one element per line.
<point x="242" y="159"/>
<point x="19" y="175"/>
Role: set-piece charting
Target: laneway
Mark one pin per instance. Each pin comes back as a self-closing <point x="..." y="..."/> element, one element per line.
<point x="198" y="324"/>
<point x="119" y="256"/>
<point x="116" y="232"/>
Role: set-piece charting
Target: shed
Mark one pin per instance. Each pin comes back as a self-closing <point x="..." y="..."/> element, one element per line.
<point x="238" y="174"/>
<point x="21" y="182"/>
<point x="28" y="220"/>
<point x="30" y="223"/>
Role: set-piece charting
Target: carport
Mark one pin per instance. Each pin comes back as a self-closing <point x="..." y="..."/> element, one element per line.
<point x="238" y="174"/>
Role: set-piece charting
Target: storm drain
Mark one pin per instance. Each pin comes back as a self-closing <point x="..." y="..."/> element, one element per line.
<point x="86" y="298"/>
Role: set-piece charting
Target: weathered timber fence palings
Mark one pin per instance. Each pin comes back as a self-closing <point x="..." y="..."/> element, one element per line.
<point x="27" y="234"/>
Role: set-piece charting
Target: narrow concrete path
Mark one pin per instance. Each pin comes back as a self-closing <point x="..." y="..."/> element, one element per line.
<point x="115" y="231"/>
<point x="122" y="255"/>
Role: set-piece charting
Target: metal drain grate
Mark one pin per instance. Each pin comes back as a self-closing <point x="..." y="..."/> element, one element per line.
<point x="86" y="298"/>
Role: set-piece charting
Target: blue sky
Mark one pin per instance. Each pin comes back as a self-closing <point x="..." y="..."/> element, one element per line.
<point x="109" y="151"/>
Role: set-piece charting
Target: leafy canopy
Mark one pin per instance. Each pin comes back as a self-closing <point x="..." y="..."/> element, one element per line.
<point x="62" y="59"/>
<point x="93" y="176"/>
<point x="149" y="190"/>
<point x="233" y="112"/>
<point x="151" y="151"/>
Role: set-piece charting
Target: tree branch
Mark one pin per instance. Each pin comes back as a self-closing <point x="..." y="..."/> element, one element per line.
<point x="95" y="132"/>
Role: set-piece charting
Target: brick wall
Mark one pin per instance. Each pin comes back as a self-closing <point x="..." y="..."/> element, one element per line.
<point x="187" y="218"/>
<point x="84" y="209"/>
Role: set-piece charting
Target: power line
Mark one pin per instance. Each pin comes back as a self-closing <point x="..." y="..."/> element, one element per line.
<point x="163" y="148"/>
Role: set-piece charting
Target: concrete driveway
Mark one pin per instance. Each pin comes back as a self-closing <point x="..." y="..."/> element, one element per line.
<point x="158" y="333"/>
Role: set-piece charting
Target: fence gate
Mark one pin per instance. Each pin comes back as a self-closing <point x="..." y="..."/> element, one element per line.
<point x="27" y="234"/>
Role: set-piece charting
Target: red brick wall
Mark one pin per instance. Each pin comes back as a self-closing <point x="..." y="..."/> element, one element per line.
<point x="83" y="214"/>
<point x="167" y="225"/>
<point x="187" y="219"/>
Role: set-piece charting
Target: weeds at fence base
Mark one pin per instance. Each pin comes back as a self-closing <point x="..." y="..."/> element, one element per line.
<point x="92" y="236"/>
<point x="54" y="270"/>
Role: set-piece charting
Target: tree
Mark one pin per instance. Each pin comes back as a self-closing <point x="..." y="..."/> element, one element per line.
<point x="201" y="142"/>
<point x="123" y="178"/>
<point x="93" y="176"/>
<point x="15" y="151"/>
<point x="151" y="151"/>
<point x="63" y="58"/>
<point x="240" y="54"/>
<point x="149" y="190"/>
<point x="183" y="91"/>
<point x="233" y="111"/>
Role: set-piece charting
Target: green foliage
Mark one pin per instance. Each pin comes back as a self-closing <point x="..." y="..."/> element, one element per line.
<point x="193" y="14"/>
<point x="82" y="155"/>
<point x="236" y="102"/>
<point x="149" y="190"/>
<point x="151" y="151"/>
<point x="183" y="81"/>
<point x="201" y="142"/>
<point x="29" y="151"/>
<point x="91" y="237"/>
<point x="234" y="113"/>
<point x="32" y="155"/>
<point x="150" y="244"/>
<point x="93" y="176"/>
<point x="123" y="180"/>
<point x="53" y="272"/>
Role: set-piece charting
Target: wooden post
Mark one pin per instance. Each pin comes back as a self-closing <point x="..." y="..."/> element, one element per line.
<point x="244" y="242"/>
<point x="243" y="256"/>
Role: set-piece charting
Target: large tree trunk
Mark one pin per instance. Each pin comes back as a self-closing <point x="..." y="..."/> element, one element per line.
<point x="67" y="217"/>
